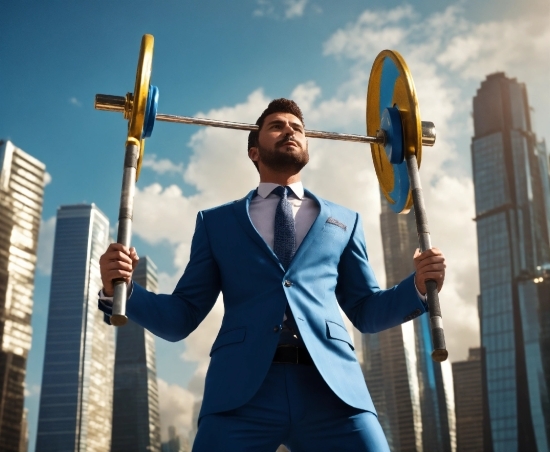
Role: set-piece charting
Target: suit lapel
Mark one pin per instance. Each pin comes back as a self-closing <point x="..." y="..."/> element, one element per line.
<point x="316" y="227"/>
<point x="240" y="208"/>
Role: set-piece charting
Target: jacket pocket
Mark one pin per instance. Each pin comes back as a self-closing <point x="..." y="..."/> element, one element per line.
<point x="338" y="332"/>
<point x="229" y="337"/>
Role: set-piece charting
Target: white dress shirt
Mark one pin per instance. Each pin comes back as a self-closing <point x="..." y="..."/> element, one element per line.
<point x="262" y="211"/>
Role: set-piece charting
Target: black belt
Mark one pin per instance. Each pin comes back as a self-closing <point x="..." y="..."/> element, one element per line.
<point x="290" y="354"/>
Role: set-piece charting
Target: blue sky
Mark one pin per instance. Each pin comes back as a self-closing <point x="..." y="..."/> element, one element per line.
<point x="227" y="60"/>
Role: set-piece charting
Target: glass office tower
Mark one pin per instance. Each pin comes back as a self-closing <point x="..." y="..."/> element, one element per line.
<point x="511" y="195"/>
<point x="412" y="394"/>
<point x="21" y="196"/>
<point x="77" y="381"/>
<point x="136" y="418"/>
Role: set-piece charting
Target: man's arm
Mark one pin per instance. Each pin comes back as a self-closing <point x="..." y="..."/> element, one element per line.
<point x="368" y="307"/>
<point x="173" y="317"/>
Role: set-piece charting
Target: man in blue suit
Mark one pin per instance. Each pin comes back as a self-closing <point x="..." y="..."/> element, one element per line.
<point x="283" y="369"/>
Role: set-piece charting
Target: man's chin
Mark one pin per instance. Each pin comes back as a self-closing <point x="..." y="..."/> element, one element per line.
<point x="287" y="167"/>
<point x="285" y="158"/>
<point x="291" y="147"/>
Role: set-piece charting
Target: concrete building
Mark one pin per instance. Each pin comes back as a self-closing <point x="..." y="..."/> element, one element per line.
<point x="136" y="418"/>
<point x="511" y="195"/>
<point x="21" y="197"/>
<point x="77" y="381"/>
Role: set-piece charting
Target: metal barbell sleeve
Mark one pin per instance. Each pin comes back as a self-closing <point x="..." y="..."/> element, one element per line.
<point x="439" y="352"/>
<point x="125" y="213"/>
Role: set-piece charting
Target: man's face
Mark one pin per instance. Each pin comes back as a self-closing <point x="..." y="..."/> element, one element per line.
<point x="282" y="144"/>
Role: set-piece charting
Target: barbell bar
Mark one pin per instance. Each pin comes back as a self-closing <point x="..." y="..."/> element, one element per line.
<point x="394" y="131"/>
<point x="119" y="104"/>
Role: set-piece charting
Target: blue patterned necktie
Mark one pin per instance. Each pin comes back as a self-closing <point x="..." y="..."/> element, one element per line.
<point x="284" y="246"/>
<point x="284" y="242"/>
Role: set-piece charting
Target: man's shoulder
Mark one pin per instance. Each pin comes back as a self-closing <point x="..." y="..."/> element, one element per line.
<point x="224" y="208"/>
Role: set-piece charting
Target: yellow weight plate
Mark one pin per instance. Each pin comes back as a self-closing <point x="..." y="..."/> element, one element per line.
<point x="141" y="89"/>
<point x="391" y="85"/>
<point x="140" y="158"/>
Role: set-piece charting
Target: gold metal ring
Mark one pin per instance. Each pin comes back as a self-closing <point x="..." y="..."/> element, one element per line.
<point x="402" y="95"/>
<point x="141" y="91"/>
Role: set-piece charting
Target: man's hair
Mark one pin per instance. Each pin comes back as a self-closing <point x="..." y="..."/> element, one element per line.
<point x="281" y="105"/>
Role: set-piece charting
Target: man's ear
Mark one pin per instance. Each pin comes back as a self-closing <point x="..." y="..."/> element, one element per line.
<point x="254" y="154"/>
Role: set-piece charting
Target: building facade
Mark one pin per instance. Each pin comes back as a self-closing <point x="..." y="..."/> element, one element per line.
<point x="21" y="198"/>
<point x="77" y="380"/>
<point x="510" y="172"/>
<point x="412" y="394"/>
<point x="175" y="443"/>
<point x="469" y="403"/>
<point x="136" y="418"/>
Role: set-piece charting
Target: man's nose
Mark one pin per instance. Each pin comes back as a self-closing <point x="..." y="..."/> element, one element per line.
<point x="288" y="130"/>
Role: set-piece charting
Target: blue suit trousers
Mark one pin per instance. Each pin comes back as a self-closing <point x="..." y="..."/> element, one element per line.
<point x="295" y="407"/>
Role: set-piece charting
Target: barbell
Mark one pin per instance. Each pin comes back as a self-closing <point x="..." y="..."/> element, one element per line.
<point x="394" y="131"/>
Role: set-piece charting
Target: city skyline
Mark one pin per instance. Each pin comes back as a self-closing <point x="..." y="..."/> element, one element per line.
<point x="55" y="61"/>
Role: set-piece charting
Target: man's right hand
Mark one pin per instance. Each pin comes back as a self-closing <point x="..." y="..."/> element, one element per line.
<point x="118" y="262"/>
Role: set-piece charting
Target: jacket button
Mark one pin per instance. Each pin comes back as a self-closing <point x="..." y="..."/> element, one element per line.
<point x="288" y="283"/>
<point x="277" y="328"/>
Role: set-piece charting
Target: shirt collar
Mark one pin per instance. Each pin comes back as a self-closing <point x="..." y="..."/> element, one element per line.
<point x="265" y="189"/>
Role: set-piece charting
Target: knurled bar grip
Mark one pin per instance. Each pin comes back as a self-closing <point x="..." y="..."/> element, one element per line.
<point x="439" y="353"/>
<point x="118" y="317"/>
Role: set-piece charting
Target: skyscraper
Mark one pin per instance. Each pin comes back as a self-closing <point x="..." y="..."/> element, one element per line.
<point x="412" y="394"/>
<point x="513" y="250"/>
<point x="136" y="419"/>
<point x="21" y="196"/>
<point x="77" y="381"/>
<point x="468" y="384"/>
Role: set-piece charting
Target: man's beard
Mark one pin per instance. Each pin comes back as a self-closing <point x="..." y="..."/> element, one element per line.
<point x="284" y="161"/>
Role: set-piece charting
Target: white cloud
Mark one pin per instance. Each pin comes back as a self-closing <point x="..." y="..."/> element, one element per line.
<point x="162" y="166"/>
<point x="47" y="178"/>
<point x="295" y="8"/>
<point x="176" y="408"/>
<point x="74" y="101"/>
<point x="45" y="246"/>
<point x="265" y="8"/>
<point x="493" y="46"/>
<point x="285" y="9"/>
<point x="33" y="391"/>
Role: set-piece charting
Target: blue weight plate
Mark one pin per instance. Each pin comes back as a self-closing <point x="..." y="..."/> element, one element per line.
<point x="150" y="111"/>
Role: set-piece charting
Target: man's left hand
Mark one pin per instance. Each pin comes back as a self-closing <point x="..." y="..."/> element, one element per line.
<point x="429" y="265"/>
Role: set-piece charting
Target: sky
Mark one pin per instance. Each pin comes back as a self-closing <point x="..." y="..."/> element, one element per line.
<point x="227" y="60"/>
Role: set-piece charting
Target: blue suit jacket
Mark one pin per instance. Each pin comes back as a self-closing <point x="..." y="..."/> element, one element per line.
<point x="330" y="267"/>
